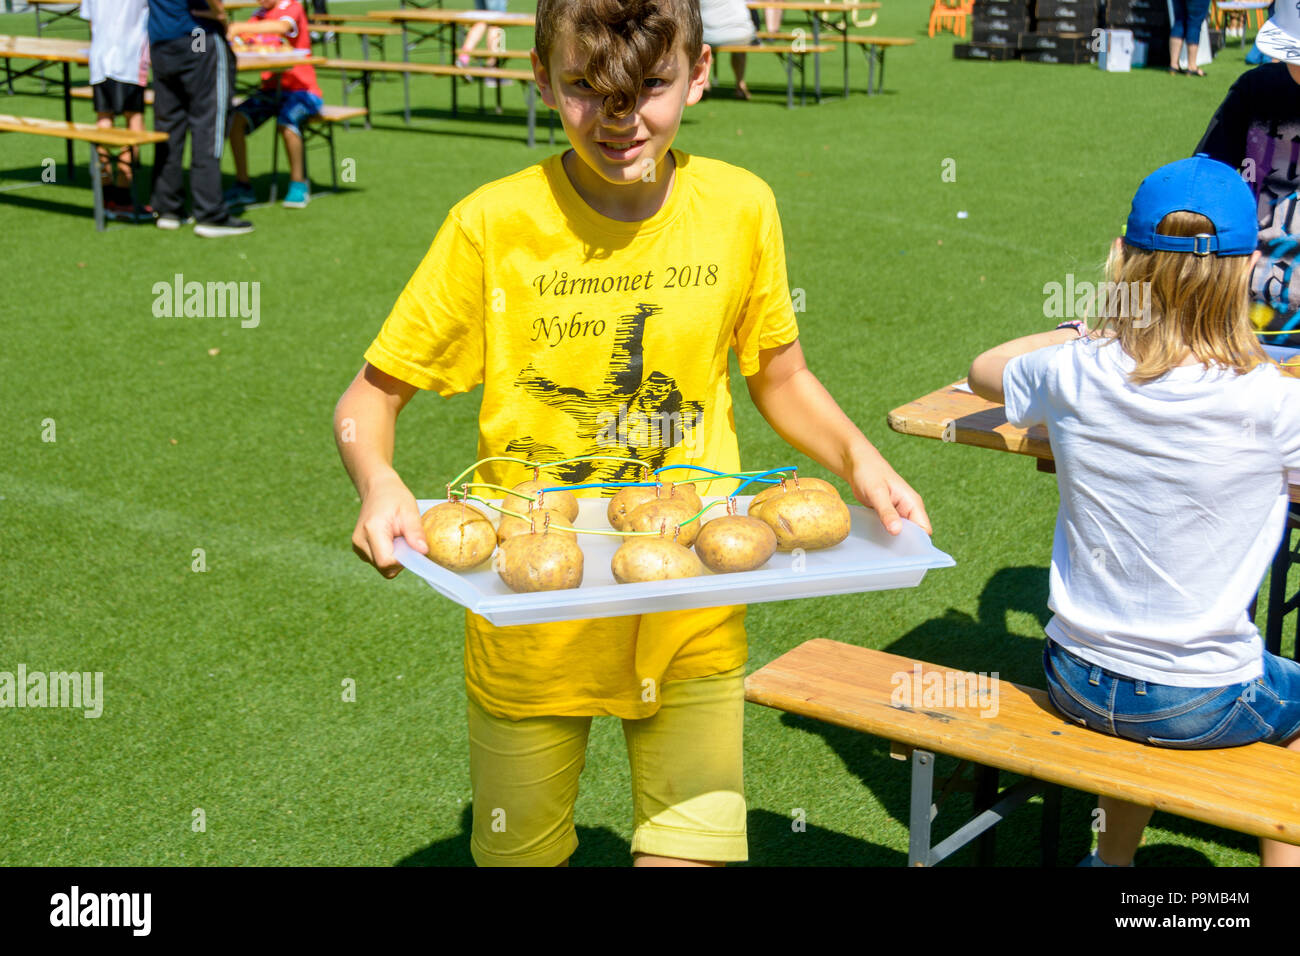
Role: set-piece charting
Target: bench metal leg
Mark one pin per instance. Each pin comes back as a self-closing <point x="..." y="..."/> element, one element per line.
<point x="999" y="805"/>
<point x="67" y="115"/>
<point x="918" y="841"/>
<point x="275" y="159"/>
<point x="406" y="78"/>
<point x="96" y="186"/>
<point x="986" y="795"/>
<point x="1277" y="595"/>
<point x="532" y="115"/>
<point x="1049" y="842"/>
<point x="328" y="133"/>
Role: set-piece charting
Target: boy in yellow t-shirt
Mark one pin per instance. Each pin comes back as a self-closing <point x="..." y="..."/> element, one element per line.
<point x="594" y="297"/>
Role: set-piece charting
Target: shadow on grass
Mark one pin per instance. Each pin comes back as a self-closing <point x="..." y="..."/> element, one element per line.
<point x="772" y="841"/>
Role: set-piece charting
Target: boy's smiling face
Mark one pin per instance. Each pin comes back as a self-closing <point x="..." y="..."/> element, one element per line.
<point x="621" y="155"/>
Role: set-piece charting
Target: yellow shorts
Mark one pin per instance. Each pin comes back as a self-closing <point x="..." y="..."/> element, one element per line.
<point x="687" y="779"/>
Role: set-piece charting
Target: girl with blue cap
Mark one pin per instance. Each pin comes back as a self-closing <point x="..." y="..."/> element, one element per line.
<point x="1173" y="434"/>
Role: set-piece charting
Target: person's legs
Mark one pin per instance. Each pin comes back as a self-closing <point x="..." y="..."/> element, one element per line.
<point x="239" y="146"/>
<point x="297" y="108"/>
<point x="104" y="121"/>
<point x="1187" y="718"/>
<point x="773" y="18"/>
<point x="1121" y="824"/>
<point x="472" y="37"/>
<point x="129" y="157"/>
<point x="206" y="80"/>
<point x="293" y="149"/>
<point x="1274" y="852"/>
<point x="170" y="116"/>
<point x="738" y="61"/>
<point x="687" y="774"/>
<point x="524" y="777"/>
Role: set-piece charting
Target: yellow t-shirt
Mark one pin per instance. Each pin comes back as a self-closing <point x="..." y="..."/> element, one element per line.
<point x="593" y="336"/>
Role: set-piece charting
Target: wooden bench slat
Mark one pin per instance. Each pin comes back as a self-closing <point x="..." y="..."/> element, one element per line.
<point x="1249" y="789"/>
<point x="869" y="40"/>
<point x="431" y="69"/>
<point x="769" y="48"/>
<point x="346" y="30"/>
<point x="86" y="132"/>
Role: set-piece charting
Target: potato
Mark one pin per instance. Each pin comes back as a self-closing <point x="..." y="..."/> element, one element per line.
<point x="654" y="559"/>
<point x="806" y="519"/>
<point x="460" y="536"/>
<point x="540" y="562"/>
<point x="624" y="502"/>
<point x="773" y="491"/>
<point x="511" y="526"/>
<point x="735" y="543"/>
<point x="686" y="493"/>
<point x="565" y="502"/>
<point x="658" y="512"/>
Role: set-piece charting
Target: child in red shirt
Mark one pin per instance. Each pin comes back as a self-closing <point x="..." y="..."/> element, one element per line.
<point x="291" y="97"/>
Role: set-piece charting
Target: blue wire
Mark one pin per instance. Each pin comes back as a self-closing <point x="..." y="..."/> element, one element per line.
<point x="761" y="476"/>
<point x="696" y="467"/>
<point x="606" y="484"/>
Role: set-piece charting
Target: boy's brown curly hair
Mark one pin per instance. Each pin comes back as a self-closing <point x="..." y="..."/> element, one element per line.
<point x="620" y="40"/>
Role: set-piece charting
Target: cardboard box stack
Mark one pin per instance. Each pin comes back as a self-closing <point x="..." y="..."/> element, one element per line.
<point x="995" y="28"/>
<point x="1064" y="32"/>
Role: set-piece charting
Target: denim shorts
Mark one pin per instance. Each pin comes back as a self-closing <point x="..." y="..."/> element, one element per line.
<point x="290" y="109"/>
<point x="1184" y="718"/>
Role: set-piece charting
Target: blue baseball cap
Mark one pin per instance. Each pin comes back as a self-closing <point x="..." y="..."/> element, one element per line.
<point x="1201" y="185"/>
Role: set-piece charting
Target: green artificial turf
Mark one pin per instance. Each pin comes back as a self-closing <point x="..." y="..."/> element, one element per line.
<point x="224" y="688"/>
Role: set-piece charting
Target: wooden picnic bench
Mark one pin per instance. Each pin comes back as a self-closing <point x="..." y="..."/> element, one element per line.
<point x="116" y="140"/>
<point x="872" y="47"/>
<point x="365" y="32"/>
<point x="321" y="125"/>
<point x="791" y="54"/>
<point x="368" y="67"/>
<point x="1248" y="789"/>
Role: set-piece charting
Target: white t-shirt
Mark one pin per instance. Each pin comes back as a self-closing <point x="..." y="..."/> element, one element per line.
<point x="726" y="21"/>
<point x="1173" y="502"/>
<point x="119" y="40"/>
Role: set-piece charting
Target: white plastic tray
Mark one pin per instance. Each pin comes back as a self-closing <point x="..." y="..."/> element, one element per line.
<point x="869" y="559"/>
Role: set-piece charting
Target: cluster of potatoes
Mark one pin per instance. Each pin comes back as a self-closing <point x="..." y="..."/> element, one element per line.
<point x="541" y="554"/>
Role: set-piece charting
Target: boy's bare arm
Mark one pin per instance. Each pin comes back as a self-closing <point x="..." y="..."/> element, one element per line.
<point x="365" y="421"/>
<point x="281" y="27"/>
<point x="985" y="376"/>
<point x="802" y="412"/>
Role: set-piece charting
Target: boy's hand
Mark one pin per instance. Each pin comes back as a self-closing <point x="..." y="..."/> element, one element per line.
<point x="388" y="510"/>
<point x="880" y="488"/>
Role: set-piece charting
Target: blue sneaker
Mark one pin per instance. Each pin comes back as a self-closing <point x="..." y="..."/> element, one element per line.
<point x="240" y="195"/>
<point x="298" y="196"/>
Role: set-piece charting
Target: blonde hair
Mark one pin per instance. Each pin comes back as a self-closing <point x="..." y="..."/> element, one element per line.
<point x="1190" y="303"/>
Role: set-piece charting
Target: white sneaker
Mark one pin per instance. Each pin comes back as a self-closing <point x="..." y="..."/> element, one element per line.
<point x="230" y="226"/>
<point x="173" y="223"/>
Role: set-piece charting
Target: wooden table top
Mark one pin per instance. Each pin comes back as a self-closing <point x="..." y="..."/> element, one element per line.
<point x="273" y="61"/>
<point x="954" y="414"/>
<point x="812" y="6"/>
<point x="456" y="16"/>
<point x="63" y="129"/>
<point x="53" y="49"/>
